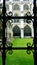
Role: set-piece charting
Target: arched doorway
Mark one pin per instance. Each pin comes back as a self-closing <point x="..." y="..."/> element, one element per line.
<point x="16" y="31"/>
<point x="27" y="31"/>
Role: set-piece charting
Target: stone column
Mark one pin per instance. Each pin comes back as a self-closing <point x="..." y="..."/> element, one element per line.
<point x="10" y="6"/>
<point x="21" y="21"/>
<point x="22" y="33"/>
<point x="31" y="5"/>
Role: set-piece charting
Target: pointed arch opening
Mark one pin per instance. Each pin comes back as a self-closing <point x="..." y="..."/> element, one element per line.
<point x="16" y="7"/>
<point x="27" y="31"/>
<point x="16" y="31"/>
<point x="26" y="7"/>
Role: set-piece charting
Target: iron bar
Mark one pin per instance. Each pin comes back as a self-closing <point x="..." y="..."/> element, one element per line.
<point x="3" y="39"/>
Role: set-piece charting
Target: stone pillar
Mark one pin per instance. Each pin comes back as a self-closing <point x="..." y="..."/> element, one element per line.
<point x="21" y="21"/>
<point x="22" y="33"/>
<point x="10" y="6"/>
<point x="12" y="32"/>
<point x="31" y="5"/>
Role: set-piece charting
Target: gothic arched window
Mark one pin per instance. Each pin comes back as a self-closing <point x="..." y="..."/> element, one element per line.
<point x="27" y="31"/>
<point x="16" y="7"/>
<point x="16" y="20"/>
<point x="25" y="20"/>
<point x="26" y="7"/>
<point x="7" y="7"/>
<point x="16" y="31"/>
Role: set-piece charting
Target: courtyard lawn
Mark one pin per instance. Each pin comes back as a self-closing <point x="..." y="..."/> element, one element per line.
<point x="20" y="57"/>
<point x="22" y="41"/>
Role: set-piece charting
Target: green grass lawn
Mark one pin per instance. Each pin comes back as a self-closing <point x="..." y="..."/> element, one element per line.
<point x="22" y="41"/>
<point x="20" y="57"/>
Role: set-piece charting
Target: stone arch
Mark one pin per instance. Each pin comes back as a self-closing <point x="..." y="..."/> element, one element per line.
<point x="27" y="31"/>
<point x="16" y="31"/>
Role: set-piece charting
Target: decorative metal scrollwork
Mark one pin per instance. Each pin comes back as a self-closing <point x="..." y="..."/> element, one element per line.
<point x="9" y="44"/>
<point x="28" y="48"/>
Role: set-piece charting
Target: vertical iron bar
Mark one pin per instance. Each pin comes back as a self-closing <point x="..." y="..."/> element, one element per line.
<point x="3" y="39"/>
<point x="35" y="37"/>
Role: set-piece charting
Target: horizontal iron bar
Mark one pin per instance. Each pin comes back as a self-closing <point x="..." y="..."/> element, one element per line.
<point x="19" y="17"/>
<point x="18" y="48"/>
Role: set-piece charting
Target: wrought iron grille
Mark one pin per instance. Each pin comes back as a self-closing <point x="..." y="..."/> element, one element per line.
<point x="3" y="47"/>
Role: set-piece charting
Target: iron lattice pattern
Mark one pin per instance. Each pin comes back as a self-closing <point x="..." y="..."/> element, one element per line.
<point x="4" y="46"/>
